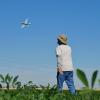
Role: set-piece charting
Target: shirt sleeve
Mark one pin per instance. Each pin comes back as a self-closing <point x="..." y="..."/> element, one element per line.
<point x="58" y="55"/>
<point x="58" y="52"/>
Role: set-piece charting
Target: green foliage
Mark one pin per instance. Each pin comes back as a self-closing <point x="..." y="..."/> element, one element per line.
<point x="31" y="94"/>
<point x="2" y="78"/>
<point x="99" y="81"/>
<point x="94" y="76"/>
<point x="81" y="75"/>
<point x="9" y="80"/>
<point x="29" y="91"/>
<point x="15" y="79"/>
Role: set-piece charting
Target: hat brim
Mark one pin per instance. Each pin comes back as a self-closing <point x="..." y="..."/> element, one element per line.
<point x="61" y="40"/>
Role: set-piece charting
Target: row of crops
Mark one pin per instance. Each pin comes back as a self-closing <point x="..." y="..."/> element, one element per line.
<point x="47" y="93"/>
<point x="12" y="89"/>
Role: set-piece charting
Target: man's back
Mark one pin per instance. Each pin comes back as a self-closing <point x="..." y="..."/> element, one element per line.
<point x="64" y="57"/>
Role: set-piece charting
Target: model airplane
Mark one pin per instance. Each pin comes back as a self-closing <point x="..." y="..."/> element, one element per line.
<point x="26" y="23"/>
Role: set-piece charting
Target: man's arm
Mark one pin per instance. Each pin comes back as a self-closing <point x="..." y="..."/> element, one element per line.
<point x="59" y="61"/>
<point x="59" y="69"/>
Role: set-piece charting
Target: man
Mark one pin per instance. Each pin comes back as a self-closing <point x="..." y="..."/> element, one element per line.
<point x="64" y="64"/>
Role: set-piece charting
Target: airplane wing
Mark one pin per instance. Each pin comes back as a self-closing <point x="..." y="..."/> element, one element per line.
<point x="22" y="26"/>
<point x="26" y="21"/>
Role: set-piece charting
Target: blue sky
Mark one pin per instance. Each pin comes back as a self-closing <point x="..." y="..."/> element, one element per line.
<point x="30" y="52"/>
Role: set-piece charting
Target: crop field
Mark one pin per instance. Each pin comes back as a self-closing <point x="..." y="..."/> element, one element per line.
<point x="12" y="89"/>
<point x="47" y="93"/>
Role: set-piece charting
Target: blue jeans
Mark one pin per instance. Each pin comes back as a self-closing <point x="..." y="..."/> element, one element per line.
<point x="67" y="76"/>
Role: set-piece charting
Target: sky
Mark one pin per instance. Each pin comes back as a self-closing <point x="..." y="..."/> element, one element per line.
<point x="30" y="52"/>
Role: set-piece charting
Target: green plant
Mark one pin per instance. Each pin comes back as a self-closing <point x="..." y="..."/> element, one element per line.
<point x="99" y="81"/>
<point x="2" y="80"/>
<point x="14" y="81"/>
<point x="9" y="80"/>
<point x="0" y="85"/>
<point x="46" y="93"/>
<point x="82" y="76"/>
<point x="93" y="79"/>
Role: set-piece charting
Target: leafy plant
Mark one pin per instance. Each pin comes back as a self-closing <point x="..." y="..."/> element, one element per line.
<point x="2" y="78"/>
<point x="82" y="76"/>
<point x="99" y="81"/>
<point x="9" y="80"/>
<point x="15" y="80"/>
<point x="94" y="76"/>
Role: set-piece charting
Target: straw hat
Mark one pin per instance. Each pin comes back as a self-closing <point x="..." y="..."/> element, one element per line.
<point x="62" y="38"/>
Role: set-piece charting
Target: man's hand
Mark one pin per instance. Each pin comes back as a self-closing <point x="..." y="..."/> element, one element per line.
<point x="59" y="69"/>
